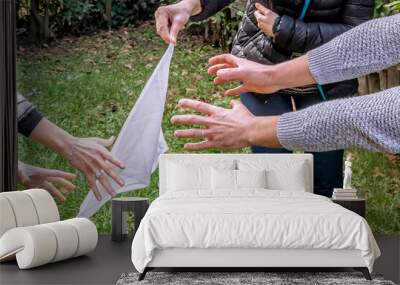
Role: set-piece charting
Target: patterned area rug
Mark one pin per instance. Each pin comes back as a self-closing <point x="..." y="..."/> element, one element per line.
<point x="244" y="278"/>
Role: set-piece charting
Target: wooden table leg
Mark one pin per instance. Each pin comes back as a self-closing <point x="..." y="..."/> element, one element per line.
<point x="116" y="231"/>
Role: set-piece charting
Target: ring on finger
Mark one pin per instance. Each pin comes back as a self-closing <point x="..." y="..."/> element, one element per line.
<point x="99" y="174"/>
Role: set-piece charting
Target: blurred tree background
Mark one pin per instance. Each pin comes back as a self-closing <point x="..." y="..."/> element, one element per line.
<point x="97" y="54"/>
<point x="42" y="20"/>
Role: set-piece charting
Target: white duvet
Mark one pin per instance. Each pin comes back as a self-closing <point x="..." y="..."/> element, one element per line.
<point x="250" y="219"/>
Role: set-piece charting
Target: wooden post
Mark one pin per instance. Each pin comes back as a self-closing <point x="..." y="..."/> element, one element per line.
<point x="373" y="83"/>
<point x="109" y="14"/>
<point x="393" y="76"/>
<point x="362" y="85"/>
<point x="8" y="98"/>
<point x="383" y="80"/>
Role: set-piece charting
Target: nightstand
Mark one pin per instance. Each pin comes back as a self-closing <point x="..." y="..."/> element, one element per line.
<point x="355" y="205"/>
<point x="120" y="208"/>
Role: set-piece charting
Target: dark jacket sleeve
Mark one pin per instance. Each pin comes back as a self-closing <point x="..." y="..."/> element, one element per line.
<point x="299" y="36"/>
<point x="209" y="8"/>
<point x="28" y="116"/>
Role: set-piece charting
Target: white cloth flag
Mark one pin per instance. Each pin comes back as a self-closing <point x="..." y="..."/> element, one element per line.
<point x="141" y="140"/>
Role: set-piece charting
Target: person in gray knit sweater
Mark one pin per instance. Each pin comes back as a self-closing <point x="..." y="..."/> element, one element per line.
<point x="371" y="122"/>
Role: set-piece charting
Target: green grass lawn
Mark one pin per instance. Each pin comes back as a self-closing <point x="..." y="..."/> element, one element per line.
<point x="88" y="85"/>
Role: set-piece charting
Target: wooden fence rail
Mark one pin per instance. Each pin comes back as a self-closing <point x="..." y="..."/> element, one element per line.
<point x="382" y="80"/>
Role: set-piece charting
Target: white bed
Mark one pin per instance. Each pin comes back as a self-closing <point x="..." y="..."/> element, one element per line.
<point x="203" y="219"/>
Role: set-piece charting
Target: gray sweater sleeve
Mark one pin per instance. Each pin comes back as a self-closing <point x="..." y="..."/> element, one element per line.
<point x="28" y="116"/>
<point x="371" y="122"/>
<point x="367" y="48"/>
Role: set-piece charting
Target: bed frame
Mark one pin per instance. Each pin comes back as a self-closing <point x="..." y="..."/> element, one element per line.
<point x="249" y="259"/>
<point x="246" y="259"/>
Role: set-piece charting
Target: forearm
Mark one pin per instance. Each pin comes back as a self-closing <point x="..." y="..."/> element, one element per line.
<point x="50" y="135"/>
<point x="208" y="8"/>
<point x="293" y="73"/>
<point x="367" y="48"/>
<point x="371" y="122"/>
<point x="194" y="6"/>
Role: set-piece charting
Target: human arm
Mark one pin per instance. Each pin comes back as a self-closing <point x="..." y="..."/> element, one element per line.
<point x="259" y="78"/>
<point x="88" y="155"/>
<point x="170" y="19"/>
<point x="367" y="48"/>
<point x="48" y="179"/>
<point x="371" y="122"/>
<point x="225" y="128"/>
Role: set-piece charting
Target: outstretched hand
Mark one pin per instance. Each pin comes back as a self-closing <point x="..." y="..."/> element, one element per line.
<point x="91" y="157"/>
<point x="255" y="77"/>
<point x="224" y="128"/>
<point x="49" y="179"/>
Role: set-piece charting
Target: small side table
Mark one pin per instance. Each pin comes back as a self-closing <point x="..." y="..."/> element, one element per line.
<point x="120" y="208"/>
<point x="355" y="205"/>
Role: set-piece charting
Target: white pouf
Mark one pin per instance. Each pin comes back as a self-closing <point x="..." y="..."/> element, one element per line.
<point x="45" y="206"/>
<point x="31" y="233"/>
<point x="37" y="245"/>
<point x="23" y="208"/>
<point x="7" y="218"/>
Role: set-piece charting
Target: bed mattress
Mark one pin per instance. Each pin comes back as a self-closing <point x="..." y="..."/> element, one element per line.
<point x="251" y="219"/>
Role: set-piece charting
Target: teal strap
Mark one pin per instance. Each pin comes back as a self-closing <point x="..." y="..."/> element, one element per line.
<point x="301" y="18"/>
<point x="305" y="9"/>
<point x="321" y="91"/>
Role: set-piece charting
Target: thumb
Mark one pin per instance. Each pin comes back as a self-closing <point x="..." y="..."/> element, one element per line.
<point x="236" y="91"/>
<point x="177" y="25"/>
<point x="23" y="178"/>
<point x="262" y="9"/>
<point x="236" y="104"/>
<point x="106" y="142"/>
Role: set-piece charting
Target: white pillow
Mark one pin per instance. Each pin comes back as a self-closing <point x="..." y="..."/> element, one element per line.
<point x="230" y="180"/>
<point x="251" y="178"/>
<point x="223" y="179"/>
<point x="291" y="175"/>
<point x="186" y="176"/>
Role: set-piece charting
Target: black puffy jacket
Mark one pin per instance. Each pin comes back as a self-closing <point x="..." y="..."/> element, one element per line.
<point x="324" y="20"/>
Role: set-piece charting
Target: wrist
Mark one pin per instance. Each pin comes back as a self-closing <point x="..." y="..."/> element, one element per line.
<point x="251" y="131"/>
<point x="275" y="76"/>
<point x="262" y="131"/>
<point x="64" y="145"/>
<point x="53" y="137"/>
<point x="292" y="73"/>
<point x="193" y="7"/>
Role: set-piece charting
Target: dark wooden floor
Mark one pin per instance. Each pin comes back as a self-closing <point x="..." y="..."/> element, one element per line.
<point x="103" y="266"/>
<point x="110" y="260"/>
